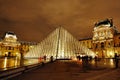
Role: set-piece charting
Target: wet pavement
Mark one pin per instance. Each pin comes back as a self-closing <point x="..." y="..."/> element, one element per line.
<point x="72" y="70"/>
<point x="9" y="63"/>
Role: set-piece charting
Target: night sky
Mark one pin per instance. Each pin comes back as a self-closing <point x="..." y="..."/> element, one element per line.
<point x="33" y="20"/>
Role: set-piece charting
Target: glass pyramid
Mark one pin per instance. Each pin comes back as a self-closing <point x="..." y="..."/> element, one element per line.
<point x="60" y="44"/>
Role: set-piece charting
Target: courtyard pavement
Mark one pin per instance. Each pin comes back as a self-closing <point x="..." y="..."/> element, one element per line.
<point x="70" y="70"/>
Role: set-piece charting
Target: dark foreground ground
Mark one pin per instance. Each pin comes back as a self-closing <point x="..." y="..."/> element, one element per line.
<point x="70" y="70"/>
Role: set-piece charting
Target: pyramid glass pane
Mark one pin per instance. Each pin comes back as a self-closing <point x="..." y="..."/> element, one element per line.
<point x="60" y="44"/>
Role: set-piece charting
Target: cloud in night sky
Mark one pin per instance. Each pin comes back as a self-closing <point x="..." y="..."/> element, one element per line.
<point x="33" y="20"/>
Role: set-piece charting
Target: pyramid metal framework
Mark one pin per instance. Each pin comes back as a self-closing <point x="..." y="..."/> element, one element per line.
<point x="60" y="44"/>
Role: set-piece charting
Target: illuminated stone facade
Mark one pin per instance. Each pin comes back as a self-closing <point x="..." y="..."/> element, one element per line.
<point x="9" y="46"/>
<point x="105" y="41"/>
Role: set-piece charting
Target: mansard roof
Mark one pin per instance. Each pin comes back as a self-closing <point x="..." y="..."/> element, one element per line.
<point x="104" y="22"/>
<point x="10" y="33"/>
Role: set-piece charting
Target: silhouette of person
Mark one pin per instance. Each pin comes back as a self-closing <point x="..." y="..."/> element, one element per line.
<point x="51" y="58"/>
<point x="96" y="59"/>
<point x="116" y="60"/>
<point x="44" y="58"/>
<point x="85" y="63"/>
<point x="78" y="57"/>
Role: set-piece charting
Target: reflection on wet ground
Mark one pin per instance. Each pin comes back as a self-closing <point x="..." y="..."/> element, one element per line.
<point x="9" y="62"/>
<point x="6" y="63"/>
<point x="108" y="63"/>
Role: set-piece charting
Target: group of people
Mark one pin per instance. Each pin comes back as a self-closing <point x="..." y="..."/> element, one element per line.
<point x="45" y="58"/>
<point x="87" y="59"/>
